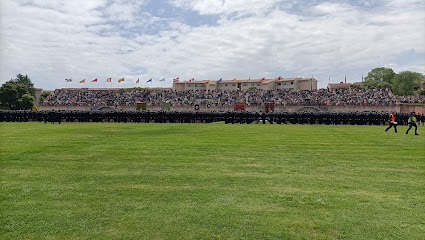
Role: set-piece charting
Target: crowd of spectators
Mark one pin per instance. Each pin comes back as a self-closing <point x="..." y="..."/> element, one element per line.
<point x="321" y="97"/>
<point x="411" y="99"/>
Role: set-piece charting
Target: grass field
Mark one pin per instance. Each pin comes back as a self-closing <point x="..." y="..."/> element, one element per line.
<point x="210" y="181"/>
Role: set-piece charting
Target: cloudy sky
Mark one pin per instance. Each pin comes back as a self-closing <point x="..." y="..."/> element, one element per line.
<point x="207" y="39"/>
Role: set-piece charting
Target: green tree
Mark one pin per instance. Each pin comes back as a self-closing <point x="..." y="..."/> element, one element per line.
<point x="381" y="74"/>
<point x="43" y="96"/>
<point x="383" y="85"/>
<point x="11" y="92"/>
<point x="26" y="101"/>
<point x="25" y="80"/>
<point x="406" y="83"/>
<point x="370" y="84"/>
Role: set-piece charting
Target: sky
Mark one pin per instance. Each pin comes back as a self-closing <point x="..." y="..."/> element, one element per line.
<point x="206" y="40"/>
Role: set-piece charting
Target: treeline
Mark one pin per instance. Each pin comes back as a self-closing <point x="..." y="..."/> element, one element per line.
<point x="403" y="83"/>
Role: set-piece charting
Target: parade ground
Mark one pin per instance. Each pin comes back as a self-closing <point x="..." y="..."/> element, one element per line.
<point x="210" y="181"/>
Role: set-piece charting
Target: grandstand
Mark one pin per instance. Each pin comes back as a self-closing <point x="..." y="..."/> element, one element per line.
<point x="351" y="99"/>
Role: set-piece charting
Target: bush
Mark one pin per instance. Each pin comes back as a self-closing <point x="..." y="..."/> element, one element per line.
<point x="43" y="96"/>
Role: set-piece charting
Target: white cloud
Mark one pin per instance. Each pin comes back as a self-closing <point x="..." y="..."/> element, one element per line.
<point x="206" y="7"/>
<point x="100" y="39"/>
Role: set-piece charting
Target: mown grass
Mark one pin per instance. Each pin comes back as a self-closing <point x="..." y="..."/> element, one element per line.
<point x="210" y="181"/>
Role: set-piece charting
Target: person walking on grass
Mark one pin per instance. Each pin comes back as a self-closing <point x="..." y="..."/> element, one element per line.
<point x="392" y="122"/>
<point x="412" y="123"/>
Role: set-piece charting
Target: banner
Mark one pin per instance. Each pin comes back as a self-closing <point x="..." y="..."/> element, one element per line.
<point x="269" y="107"/>
<point x="239" y="107"/>
<point x="141" y="106"/>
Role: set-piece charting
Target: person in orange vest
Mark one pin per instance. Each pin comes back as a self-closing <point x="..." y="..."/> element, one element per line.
<point x="392" y="122"/>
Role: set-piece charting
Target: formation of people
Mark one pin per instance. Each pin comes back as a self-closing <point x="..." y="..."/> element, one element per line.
<point x="247" y="117"/>
<point x="321" y="97"/>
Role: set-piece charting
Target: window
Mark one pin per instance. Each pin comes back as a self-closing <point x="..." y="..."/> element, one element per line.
<point x="189" y="85"/>
<point x="279" y="84"/>
<point x="234" y="84"/>
<point x="225" y="84"/>
<point x="292" y="83"/>
<point x="245" y="84"/>
<point x="258" y="84"/>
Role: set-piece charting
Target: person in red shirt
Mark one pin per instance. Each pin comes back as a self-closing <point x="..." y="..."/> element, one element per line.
<point x="392" y="122"/>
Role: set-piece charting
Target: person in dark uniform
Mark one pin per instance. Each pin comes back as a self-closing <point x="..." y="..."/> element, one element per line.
<point x="412" y="123"/>
<point x="392" y="122"/>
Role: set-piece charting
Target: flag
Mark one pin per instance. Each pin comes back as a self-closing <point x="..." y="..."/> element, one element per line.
<point x="191" y="80"/>
<point x="219" y="80"/>
<point x="94" y="80"/>
<point x="234" y="79"/>
<point x="137" y="81"/>
<point x="150" y="80"/>
<point x="279" y="78"/>
<point x="263" y="79"/>
<point x="206" y="83"/>
<point x="68" y="79"/>
<point x="175" y="79"/>
<point x="83" y="81"/>
<point x="109" y="80"/>
<point x="345" y="78"/>
<point x="249" y="78"/>
<point x="162" y="80"/>
<point x="120" y="80"/>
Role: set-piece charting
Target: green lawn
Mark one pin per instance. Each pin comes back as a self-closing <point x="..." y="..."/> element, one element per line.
<point x="210" y="181"/>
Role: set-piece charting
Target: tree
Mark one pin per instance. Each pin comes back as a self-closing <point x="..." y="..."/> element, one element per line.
<point x="11" y="92"/>
<point x="406" y="82"/>
<point x="370" y="84"/>
<point x="383" y="85"/>
<point x="43" y="96"/>
<point x="26" y="101"/>
<point x="25" y="80"/>
<point x="381" y="74"/>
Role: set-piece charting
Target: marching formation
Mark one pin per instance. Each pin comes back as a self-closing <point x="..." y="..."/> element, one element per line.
<point x="242" y="117"/>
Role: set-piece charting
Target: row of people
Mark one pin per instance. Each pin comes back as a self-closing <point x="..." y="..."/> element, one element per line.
<point x="303" y="117"/>
<point x="321" y="97"/>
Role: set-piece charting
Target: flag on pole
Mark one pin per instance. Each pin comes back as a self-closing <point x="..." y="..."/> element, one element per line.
<point x="137" y="81"/>
<point x="162" y="80"/>
<point x="150" y="80"/>
<point x="219" y="80"/>
<point x="263" y="79"/>
<point x="83" y="81"/>
<point x="175" y="79"/>
<point x="109" y="80"/>
<point x="345" y="78"/>
<point x="68" y="79"/>
<point x="120" y="80"/>
<point x="279" y="78"/>
<point x="94" y="80"/>
<point x="206" y="83"/>
<point x="191" y="80"/>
